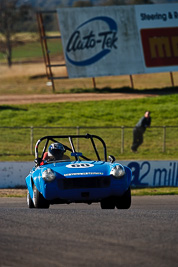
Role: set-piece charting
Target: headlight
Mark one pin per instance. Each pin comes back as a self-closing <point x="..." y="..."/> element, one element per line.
<point x="48" y="175"/>
<point x="118" y="171"/>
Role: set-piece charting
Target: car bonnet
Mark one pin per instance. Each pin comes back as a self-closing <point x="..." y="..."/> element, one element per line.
<point x="82" y="168"/>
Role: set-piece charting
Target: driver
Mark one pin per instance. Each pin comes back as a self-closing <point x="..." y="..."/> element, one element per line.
<point x="55" y="152"/>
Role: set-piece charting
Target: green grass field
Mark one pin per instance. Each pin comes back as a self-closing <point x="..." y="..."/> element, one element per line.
<point x="93" y="114"/>
<point x="29" y="47"/>
<point x="28" y="77"/>
<point x="164" y="111"/>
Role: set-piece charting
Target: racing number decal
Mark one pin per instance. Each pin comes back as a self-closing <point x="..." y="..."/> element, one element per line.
<point x="80" y="165"/>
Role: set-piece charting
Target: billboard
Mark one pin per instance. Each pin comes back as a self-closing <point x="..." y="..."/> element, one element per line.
<point x="158" y="34"/>
<point x="119" y="40"/>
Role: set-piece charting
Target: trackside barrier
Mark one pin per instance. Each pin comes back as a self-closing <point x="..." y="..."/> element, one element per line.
<point x="144" y="173"/>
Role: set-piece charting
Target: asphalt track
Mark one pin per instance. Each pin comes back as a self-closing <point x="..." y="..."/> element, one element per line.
<point x="84" y="235"/>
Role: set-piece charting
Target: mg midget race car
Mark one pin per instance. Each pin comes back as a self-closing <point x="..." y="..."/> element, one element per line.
<point x="63" y="175"/>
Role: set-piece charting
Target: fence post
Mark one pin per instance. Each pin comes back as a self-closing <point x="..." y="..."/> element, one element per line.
<point x="164" y="139"/>
<point x="172" y="79"/>
<point x="94" y="82"/>
<point x="122" y="139"/>
<point x="78" y="132"/>
<point x="31" y="137"/>
<point x="131" y="80"/>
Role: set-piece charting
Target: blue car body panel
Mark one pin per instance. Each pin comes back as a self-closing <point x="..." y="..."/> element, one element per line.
<point x="63" y="186"/>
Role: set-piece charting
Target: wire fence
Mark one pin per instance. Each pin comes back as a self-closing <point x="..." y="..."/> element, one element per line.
<point x="157" y="139"/>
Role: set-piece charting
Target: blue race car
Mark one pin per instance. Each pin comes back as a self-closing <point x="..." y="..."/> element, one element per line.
<point x="62" y="175"/>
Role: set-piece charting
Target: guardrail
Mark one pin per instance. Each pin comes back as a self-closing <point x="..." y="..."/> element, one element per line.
<point x="144" y="173"/>
<point x="118" y="138"/>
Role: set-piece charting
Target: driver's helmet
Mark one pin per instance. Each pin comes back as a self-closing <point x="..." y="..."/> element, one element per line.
<point x="56" y="151"/>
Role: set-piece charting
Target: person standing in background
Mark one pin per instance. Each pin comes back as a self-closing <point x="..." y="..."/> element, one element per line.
<point x="139" y="130"/>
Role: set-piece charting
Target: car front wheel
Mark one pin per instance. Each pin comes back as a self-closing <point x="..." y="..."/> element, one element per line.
<point x="107" y="203"/>
<point x="29" y="201"/>
<point x="38" y="200"/>
<point x="124" y="202"/>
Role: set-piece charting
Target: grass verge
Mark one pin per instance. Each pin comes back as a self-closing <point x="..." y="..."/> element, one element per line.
<point x="154" y="191"/>
<point x="103" y="118"/>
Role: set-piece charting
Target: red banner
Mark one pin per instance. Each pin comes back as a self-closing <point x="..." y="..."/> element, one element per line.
<point x="160" y="46"/>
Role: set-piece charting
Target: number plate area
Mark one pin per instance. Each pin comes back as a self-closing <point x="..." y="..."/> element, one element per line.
<point x="77" y="183"/>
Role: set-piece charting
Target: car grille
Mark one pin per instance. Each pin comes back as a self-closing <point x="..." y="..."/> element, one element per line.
<point x="77" y="183"/>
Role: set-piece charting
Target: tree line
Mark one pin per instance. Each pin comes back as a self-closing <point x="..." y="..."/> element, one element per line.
<point x="15" y="18"/>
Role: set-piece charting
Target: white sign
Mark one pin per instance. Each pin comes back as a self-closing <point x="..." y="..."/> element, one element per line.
<point x="13" y="174"/>
<point x="153" y="173"/>
<point x="97" y="41"/>
<point x="158" y="33"/>
<point x="118" y="40"/>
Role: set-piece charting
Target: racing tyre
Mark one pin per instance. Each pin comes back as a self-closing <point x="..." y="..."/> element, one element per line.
<point x="107" y="203"/>
<point x="38" y="200"/>
<point x="124" y="202"/>
<point x="29" y="201"/>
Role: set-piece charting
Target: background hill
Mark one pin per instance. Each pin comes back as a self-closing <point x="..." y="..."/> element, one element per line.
<point x="41" y="4"/>
<point x="53" y="3"/>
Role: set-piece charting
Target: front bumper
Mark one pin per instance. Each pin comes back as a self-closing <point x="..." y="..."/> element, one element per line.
<point x="85" y="189"/>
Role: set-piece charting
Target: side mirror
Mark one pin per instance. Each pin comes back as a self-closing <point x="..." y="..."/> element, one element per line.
<point x="111" y="158"/>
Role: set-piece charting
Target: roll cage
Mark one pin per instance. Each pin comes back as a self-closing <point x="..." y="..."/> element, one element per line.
<point x="54" y="138"/>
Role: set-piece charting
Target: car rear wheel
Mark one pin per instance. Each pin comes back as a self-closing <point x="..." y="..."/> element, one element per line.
<point x="107" y="203"/>
<point x="29" y="201"/>
<point x="39" y="201"/>
<point x="124" y="202"/>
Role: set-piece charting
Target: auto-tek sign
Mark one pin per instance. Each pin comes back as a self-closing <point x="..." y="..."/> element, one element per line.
<point x="96" y="41"/>
<point x="97" y="44"/>
<point x="119" y="40"/>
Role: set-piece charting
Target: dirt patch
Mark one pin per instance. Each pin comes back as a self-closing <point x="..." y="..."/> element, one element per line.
<point x="28" y="99"/>
<point x="13" y="192"/>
